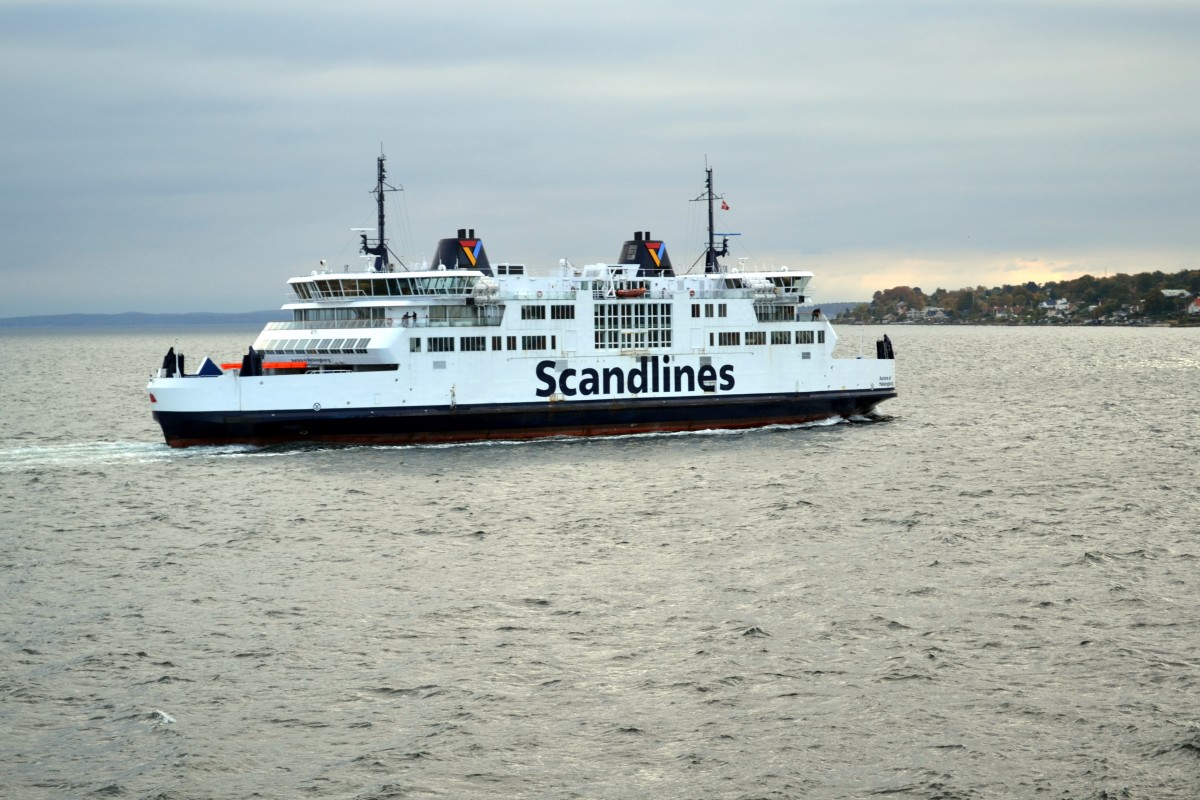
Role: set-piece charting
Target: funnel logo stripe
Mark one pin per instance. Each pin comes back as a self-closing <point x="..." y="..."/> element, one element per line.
<point x="656" y="250"/>
<point x="471" y="248"/>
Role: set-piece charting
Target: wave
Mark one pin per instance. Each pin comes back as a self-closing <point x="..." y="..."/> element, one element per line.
<point x="74" y="454"/>
<point x="541" y="440"/>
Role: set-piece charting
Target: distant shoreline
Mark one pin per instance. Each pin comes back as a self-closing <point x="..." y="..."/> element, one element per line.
<point x="1038" y="323"/>
<point x="134" y="319"/>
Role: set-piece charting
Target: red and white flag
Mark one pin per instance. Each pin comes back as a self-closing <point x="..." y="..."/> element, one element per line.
<point x="724" y="206"/>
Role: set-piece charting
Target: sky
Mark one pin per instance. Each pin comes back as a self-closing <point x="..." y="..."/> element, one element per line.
<point x="192" y="155"/>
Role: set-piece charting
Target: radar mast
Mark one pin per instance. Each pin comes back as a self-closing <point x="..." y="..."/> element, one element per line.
<point x="711" y="253"/>
<point x="380" y="249"/>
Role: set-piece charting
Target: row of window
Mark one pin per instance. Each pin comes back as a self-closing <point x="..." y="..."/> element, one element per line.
<point x="789" y="283"/>
<point x="337" y="314"/>
<point x="358" y="285"/>
<point x="362" y="286"/>
<point x="754" y="338"/>
<point x="300" y="347"/>
<point x="479" y="344"/>
<point x="632" y="339"/>
<point x="435" y="315"/>
<point x="556" y="312"/>
<point x="774" y="313"/>
<point x="720" y="308"/>
<point x="489" y="315"/>
<point x="628" y="339"/>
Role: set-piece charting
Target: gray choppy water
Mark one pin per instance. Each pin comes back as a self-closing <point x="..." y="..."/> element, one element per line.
<point x="992" y="594"/>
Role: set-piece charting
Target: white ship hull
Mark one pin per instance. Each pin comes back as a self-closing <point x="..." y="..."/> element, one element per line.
<point x="398" y="408"/>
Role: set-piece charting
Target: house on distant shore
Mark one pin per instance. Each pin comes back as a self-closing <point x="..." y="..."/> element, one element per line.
<point x="1194" y="306"/>
<point x="1054" y="308"/>
<point x="1176" y="293"/>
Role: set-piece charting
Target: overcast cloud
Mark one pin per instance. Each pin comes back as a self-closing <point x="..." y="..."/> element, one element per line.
<point x="191" y="156"/>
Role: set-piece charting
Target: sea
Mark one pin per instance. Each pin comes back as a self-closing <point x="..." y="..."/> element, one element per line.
<point x="991" y="590"/>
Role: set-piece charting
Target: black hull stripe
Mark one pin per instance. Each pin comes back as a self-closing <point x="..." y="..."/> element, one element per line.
<point x="435" y="424"/>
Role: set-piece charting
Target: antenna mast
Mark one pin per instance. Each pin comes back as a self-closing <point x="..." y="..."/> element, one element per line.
<point x="711" y="252"/>
<point x="380" y="249"/>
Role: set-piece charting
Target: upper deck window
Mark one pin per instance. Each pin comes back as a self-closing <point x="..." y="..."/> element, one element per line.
<point x="774" y="313"/>
<point x="469" y="344"/>
<point x="533" y="312"/>
<point x="352" y="286"/>
<point x="337" y="314"/>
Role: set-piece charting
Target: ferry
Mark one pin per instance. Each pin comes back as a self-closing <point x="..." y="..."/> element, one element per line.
<point x="466" y="350"/>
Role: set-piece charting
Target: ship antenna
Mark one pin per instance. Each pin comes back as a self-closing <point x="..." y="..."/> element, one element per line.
<point x="380" y="249"/>
<point x="711" y="252"/>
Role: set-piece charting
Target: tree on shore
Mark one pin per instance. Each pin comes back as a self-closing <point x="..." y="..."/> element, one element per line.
<point x="1087" y="297"/>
